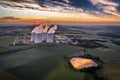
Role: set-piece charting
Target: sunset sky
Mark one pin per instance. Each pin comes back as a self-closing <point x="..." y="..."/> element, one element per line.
<point x="59" y="11"/>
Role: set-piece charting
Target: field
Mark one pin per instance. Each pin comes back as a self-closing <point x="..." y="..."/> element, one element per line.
<point x="2" y="50"/>
<point x="35" y="63"/>
<point x="6" y="40"/>
<point x="65" y="72"/>
<point x="47" y="62"/>
<point x="110" y="71"/>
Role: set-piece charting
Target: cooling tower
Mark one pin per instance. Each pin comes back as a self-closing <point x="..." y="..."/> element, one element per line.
<point x="33" y="35"/>
<point x="50" y="34"/>
<point x="38" y="34"/>
<point x="50" y="38"/>
<point x="44" y="34"/>
<point x="38" y="38"/>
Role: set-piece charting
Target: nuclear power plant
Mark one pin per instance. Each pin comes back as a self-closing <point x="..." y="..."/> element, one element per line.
<point x="43" y="33"/>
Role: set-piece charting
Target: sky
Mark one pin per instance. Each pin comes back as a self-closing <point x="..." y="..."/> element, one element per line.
<point x="59" y="11"/>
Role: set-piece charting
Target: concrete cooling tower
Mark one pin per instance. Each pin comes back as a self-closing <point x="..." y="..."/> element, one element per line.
<point x="50" y="34"/>
<point x="33" y="35"/>
<point x="44" y="34"/>
<point x="41" y="34"/>
<point x="36" y="34"/>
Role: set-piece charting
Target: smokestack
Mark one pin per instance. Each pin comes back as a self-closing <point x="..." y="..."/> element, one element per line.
<point x="50" y="34"/>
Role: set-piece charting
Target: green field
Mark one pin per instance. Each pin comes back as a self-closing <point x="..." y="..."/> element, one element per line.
<point x="65" y="72"/>
<point x="113" y="54"/>
<point x="46" y="62"/>
<point x="36" y="63"/>
<point x="7" y="40"/>
<point x="2" y="50"/>
<point x="110" y="71"/>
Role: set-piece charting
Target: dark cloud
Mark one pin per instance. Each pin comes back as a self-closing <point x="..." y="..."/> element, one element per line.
<point x="7" y="4"/>
<point x="4" y="3"/>
<point x="20" y="0"/>
<point x="9" y="17"/>
<point x="59" y="5"/>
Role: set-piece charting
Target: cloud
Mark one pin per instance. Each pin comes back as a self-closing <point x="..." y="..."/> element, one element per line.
<point x="43" y="5"/>
<point x="62" y="6"/>
<point x="61" y="9"/>
<point x="103" y="2"/>
<point x="9" y="17"/>
<point x="67" y="1"/>
<point x="57" y="3"/>
<point x="107" y="6"/>
<point x="20" y="5"/>
<point x="30" y="1"/>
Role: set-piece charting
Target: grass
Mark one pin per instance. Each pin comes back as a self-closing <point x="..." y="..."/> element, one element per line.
<point x="5" y="41"/>
<point x="48" y="58"/>
<point x="2" y="50"/>
<point x="8" y="76"/>
<point x="110" y="71"/>
<point x="61" y="49"/>
<point x="65" y="72"/>
<point x="88" y="76"/>
<point x="112" y="55"/>
<point x="47" y="66"/>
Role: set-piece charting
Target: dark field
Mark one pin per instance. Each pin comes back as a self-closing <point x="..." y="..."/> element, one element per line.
<point x="47" y="62"/>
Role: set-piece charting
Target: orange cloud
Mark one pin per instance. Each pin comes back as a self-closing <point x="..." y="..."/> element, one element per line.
<point x="31" y="13"/>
